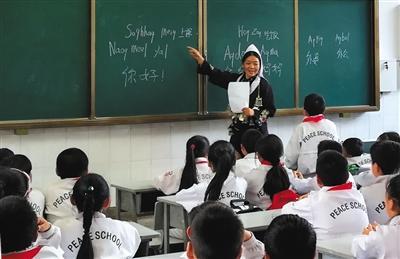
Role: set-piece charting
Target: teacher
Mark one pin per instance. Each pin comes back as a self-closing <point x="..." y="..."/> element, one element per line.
<point x="261" y="99"/>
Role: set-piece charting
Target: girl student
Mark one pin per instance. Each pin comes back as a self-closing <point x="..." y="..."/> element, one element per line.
<point x="224" y="186"/>
<point x="261" y="99"/>
<point x="196" y="169"/>
<point x="268" y="184"/>
<point x="91" y="234"/>
<point x="381" y="241"/>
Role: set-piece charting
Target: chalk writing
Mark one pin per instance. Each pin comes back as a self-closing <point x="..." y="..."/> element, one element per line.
<point x="312" y="58"/>
<point x="131" y="76"/>
<point x="250" y="33"/>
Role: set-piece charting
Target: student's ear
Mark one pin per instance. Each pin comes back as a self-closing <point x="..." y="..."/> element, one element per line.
<point x="305" y="113"/>
<point x="72" y="199"/>
<point x="244" y="151"/>
<point x="189" y="232"/>
<point x="240" y="253"/>
<point x="106" y="203"/>
<point x="266" y="256"/>
<point x="210" y="165"/>
<point x="376" y="169"/>
<point x="190" y="251"/>
<point x="319" y="182"/>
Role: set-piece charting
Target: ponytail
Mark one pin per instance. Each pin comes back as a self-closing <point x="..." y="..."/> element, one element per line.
<point x="222" y="157"/>
<point x="86" y="249"/>
<point x="276" y="181"/>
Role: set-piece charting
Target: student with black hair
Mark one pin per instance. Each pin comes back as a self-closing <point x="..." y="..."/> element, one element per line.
<point x="23" y="235"/>
<point x="389" y="135"/>
<point x="92" y="235"/>
<point x="337" y="208"/>
<point x="290" y="236"/>
<point x="196" y="169"/>
<point x="13" y="182"/>
<point x="357" y="159"/>
<point x="5" y="153"/>
<point x="248" y="147"/>
<point x="35" y="197"/>
<point x="224" y="186"/>
<point x="72" y="163"/>
<point x="385" y="157"/>
<point x="382" y="241"/>
<point x="301" y="150"/>
<point x="269" y="183"/>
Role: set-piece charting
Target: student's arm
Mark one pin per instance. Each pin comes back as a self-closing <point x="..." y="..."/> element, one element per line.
<point x="365" y="178"/>
<point x="301" y="207"/>
<point x="132" y="239"/>
<point x="303" y="186"/>
<point x="292" y="150"/>
<point x="368" y="246"/>
<point x="252" y="248"/>
<point x="49" y="235"/>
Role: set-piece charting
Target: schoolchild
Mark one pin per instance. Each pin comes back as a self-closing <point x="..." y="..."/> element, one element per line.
<point x="353" y="151"/>
<point x="247" y="146"/>
<point x="23" y="235"/>
<point x="290" y="236"/>
<point x="72" y="163"/>
<point x="35" y="197"/>
<point x="261" y="99"/>
<point x="5" y="153"/>
<point x="90" y="234"/>
<point x="337" y="208"/>
<point x="196" y="169"/>
<point x="389" y="135"/>
<point x="13" y="182"/>
<point x="224" y="186"/>
<point x="301" y="150"/>
<point x="385" y="157"/>
<point x="270" y="178"/>
<point x="382" y="241"/>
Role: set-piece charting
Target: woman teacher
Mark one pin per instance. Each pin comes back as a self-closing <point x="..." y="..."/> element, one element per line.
<point x="261" y="99"/>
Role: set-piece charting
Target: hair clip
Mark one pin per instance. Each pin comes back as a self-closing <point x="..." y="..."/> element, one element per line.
<point x="192" y="147"/>
<point x="90" y="188"/>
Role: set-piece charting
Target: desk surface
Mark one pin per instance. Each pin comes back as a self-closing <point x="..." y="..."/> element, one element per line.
<point x="338" y="247"/>
<point x="137" y="186"/>
<point x="259" y="220"/>
<point x="171" y="199"/>
<point x="166" y="256"/>
<point x="145" y="233"/>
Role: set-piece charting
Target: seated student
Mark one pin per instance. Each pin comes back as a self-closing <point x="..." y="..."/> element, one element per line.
<point x="247" y="146"/>
<point x="290" y="236"/>
<point x="353" y="152"/>
<point x="196" y="168"/>
<point x="270" y="179"/>
<point x="72" y="163"/>
<point x="13" y="182"/>
<point x="224" y="187"/>
<point x="23" y="235"/>
<point x="35" y="197"/>
<point x="301" y="151"/>
<point x="382" y="241"/>
<point x="5" y="153"/>
<point x="91" y="234"/>
<point x="337" y="208"/>
<point x="389" y="135"/>
<point x="385" y="157"/>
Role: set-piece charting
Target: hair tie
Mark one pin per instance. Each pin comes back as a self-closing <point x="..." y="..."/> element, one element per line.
<point x="90" y="189"/>
<point x="192" y="147"/>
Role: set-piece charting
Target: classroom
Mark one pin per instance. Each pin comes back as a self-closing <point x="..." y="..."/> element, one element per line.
<point x="127" y="94"/>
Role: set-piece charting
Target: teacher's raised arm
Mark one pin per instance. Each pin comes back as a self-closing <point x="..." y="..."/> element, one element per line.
<point x="261" y="98"/>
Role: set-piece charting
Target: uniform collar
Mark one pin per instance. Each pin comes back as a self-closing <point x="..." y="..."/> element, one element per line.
<point x="201" y="160"/>
<point x="95" y="215"/>
<point x="27" y="254"/>
<point x="315" y="118"/>
<point x="250" y="156"/>
<point x="341" y="187"/>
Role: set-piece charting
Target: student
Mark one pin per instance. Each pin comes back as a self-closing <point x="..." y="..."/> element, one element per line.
<point x="224" y="187"/>
<point x="382" y="241"/>
<point x="270" y="178"/>
<point x="196" y="168"/>
<point x="261" y="100"/>
<point x="23" y="235"/>
<point x="290" y="236"/>
<point x="385" y="157"/>
<point x="72" y="163"/>
<point x="5" y="153"/>
<point x="389" y="135"/>
<point x="247" y="146"/>
<point x="337" y="208"/>
<point x="35" y="197"/>
<point x="13" y="182"/>
<point x="301" y="151"/>
<point x="91" y="234"/>
<point x="353" y="152"/>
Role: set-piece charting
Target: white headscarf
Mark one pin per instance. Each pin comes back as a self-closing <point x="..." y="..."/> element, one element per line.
<point x="256" y="81"/>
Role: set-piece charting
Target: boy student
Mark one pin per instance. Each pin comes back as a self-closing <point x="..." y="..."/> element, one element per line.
<point x="72" y="163"/>
<point x="301" y="151"/>
<point x="385" y="157"/>
<point x="353" y="151"/>
<point x="5" y="153"/>
<point x="337" y="208"/>
<point x="247" y="146"/>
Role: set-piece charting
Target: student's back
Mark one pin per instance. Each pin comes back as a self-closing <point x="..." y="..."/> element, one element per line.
<point x="72" y="163"/>
<point x="357" y="160"/>
<point x="248" y="144"/>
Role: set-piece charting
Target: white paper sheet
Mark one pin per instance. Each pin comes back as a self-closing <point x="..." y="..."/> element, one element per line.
<point x="238" y="95"/>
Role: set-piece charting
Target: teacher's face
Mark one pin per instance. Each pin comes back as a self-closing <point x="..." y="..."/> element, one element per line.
<point x="251" y="66"/>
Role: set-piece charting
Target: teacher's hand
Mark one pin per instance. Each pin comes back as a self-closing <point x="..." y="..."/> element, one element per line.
<point x="248" y="112"/>
<point x="196" y="55"/>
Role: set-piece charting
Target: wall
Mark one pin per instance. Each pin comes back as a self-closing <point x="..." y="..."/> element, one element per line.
<point x="128" y="153"/>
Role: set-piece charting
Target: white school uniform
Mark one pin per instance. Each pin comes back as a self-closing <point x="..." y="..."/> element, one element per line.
<point x="363" y="162"/>
<point x="110" y="238"/>
<point x="374" y="196"/>
<point x="36" y="199"/>
<point x="233" y="188"/>
<point x="365" y="178"/>
<point x="246" y="164"/>
<point x="380" y="244"/>
<point x="301" y="150"/>
<point x="169" y="182"/>
<point x="332" y="212"/>
<point x="58" y="204"/>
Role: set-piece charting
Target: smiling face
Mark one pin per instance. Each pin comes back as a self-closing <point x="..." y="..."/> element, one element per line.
<point x="251" y="66"/>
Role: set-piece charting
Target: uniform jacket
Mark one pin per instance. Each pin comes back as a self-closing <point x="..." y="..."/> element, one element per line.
<point x="246" y="164"/>
<point x="110" y="238"/>
<point x="36" y="199"/>
<point x="255" y="181"/>
<point x="362" y="163"/>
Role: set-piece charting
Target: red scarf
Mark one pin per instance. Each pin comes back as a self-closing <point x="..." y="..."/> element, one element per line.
<point x="345" y="186"/>
<point x="315" y="118"/>
<point x="28" y="254"/>
<point x="281" y="198"/>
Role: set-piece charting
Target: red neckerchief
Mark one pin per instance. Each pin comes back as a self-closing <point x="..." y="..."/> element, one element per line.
<point x="266" y="162"/>
<point x="315" y="118"/>
<point x="281" y="198"/>
<point x="345" y="186"/>
<point x="29" y="254"/>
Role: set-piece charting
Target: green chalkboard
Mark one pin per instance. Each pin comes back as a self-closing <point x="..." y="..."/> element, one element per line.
<point x="44" y="60"/>
<point x="336" y="51"/>
<point x="142" y="65"/>
<point x="269" y="24"/>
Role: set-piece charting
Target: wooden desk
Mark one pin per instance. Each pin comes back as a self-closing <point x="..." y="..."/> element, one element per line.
<point x="134" y="191"/>
<point x="335" y="248"/>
